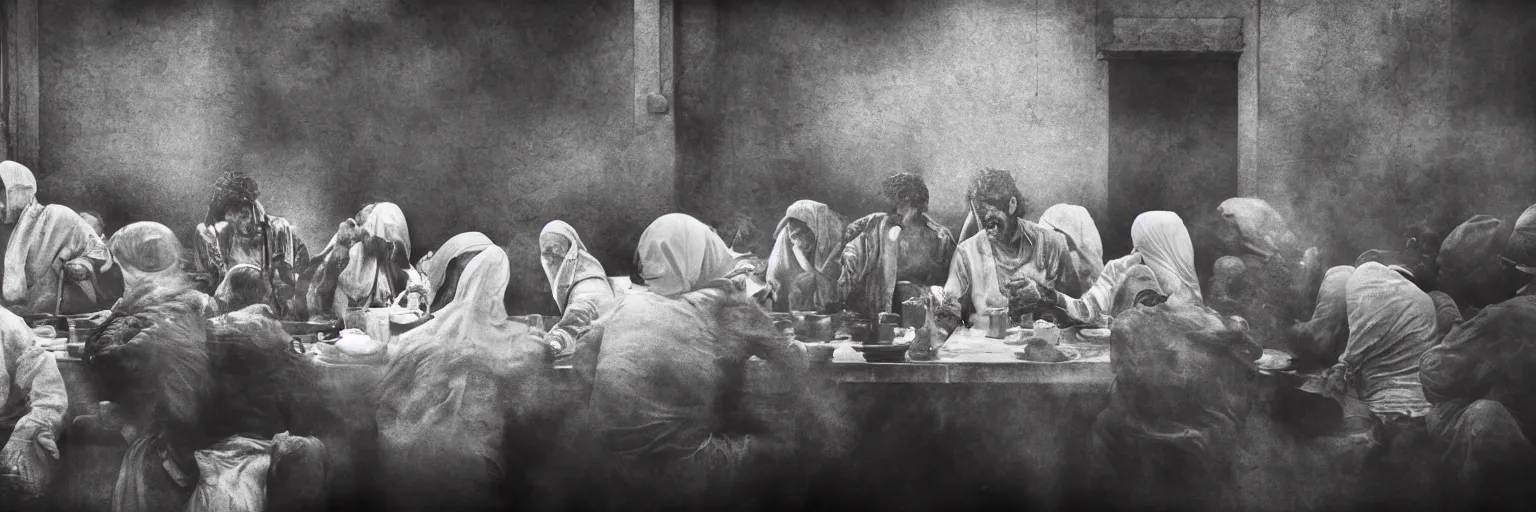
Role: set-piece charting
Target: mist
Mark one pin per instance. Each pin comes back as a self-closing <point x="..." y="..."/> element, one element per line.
<point x="471" y="115"/>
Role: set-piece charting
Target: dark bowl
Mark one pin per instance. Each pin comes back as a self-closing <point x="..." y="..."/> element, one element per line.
<point x="883" y="353"/>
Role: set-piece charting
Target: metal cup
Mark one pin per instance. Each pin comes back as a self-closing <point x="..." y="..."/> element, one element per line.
<point x="802" y="324"/>
<point x="887" y="327"/>
<point x="997" y="323"/>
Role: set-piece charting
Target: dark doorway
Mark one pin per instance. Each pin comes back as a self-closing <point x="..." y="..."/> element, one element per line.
<point x="1172" y="146"/>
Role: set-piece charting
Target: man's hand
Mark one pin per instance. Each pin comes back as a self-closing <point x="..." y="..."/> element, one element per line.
<point x="76" y="271"/>
<point x="348" y="233"/>
<point x="46" y="443"/>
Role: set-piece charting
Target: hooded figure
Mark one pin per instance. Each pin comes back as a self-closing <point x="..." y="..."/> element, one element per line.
<point x="33" y="399"/>
<point x="238" y="231"/>
<point x="212" y="408"/>
<point x="1077" y="225"/>
<point x="1162" y="244"/>
<point x="678" y="254"/>
<point x="661" y="381"/>
<point x="443" y="268"/>
<point x="580" y="286"/>
<point x="1185" y="381"/>
<point x="150" y="255"/>
<point x="1266" y="277"/>
<point x="367" y="263"/>
<point x="453" y="388"/>
<point x="49" y="246"/>
<point x="803" y="270"/>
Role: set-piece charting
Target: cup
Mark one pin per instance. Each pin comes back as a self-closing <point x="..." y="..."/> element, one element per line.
<point x="355" y="318"/>
<point x="1047" y="331"/>
<point x="819" y="327"/>
<point x="377" y="324"/>
<point x="997" y="323"/>
<point x="802" y="325"/>
<point x="887" y="327"/>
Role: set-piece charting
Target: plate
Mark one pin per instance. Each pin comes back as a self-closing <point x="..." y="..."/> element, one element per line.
<point x="1275" y="360"/>
<point x="1071" y="353"/>
<point x="1094" y="333"/>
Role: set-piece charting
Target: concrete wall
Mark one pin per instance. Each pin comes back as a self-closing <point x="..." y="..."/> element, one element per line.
<point x="499" y="116"/>
<point x="471" y="115"/>
<point x="821" y="100"/>
<point x="1378" y="113"/>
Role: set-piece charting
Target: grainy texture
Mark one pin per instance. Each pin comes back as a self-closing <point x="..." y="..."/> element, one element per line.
<point x="471" y="115"/>
<point x="498" y="116"/>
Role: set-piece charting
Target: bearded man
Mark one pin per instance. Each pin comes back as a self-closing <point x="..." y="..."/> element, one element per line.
<point x="1011" y="255"/>
<point x="882" y="249"/>
<point x="238" y="231"/>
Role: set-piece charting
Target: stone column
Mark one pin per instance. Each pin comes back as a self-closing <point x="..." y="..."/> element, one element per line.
<point x="652" y="155"/>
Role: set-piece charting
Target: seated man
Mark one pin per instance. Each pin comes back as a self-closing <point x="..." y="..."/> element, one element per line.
<point x="1011" y="252"/>
<point x="1520" y="252"/>
<point x="882" y="249"/>
<point x="1417" y="256"/>
<point x="806" y="259"/>
<point x="1184" y="383"/>
<point x="32" y="393"/>
<point x="238" y="231"/>
<point x="1475" y="268"/>
<point x="662" y="377"/>
<point x="48" y="247"/>
<point x="1479" y="381"/>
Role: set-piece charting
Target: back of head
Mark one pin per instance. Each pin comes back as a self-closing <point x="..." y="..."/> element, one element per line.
<point x="243" y="286"/>
<point x="1470" y="269"/>
<point x="148" y="247"/>
<point x="20" y="189"/>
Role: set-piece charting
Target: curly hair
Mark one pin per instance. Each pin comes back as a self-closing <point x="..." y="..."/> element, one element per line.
<point x="996" y="186"/>
<point x="235" y="190"/>
<point x="739" y="231"/>
<point x="907" y="189"/>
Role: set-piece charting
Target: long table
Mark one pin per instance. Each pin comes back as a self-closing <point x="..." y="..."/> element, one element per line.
<point x="977" y="421"/>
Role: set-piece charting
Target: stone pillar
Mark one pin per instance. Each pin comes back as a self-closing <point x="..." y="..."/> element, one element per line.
<point x="652" y="157"/>
<point x="21" y="82"/>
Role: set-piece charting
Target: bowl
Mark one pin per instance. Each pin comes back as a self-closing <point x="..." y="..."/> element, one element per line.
<point x="818" y="353"/>
<point x="883" y="353"/>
